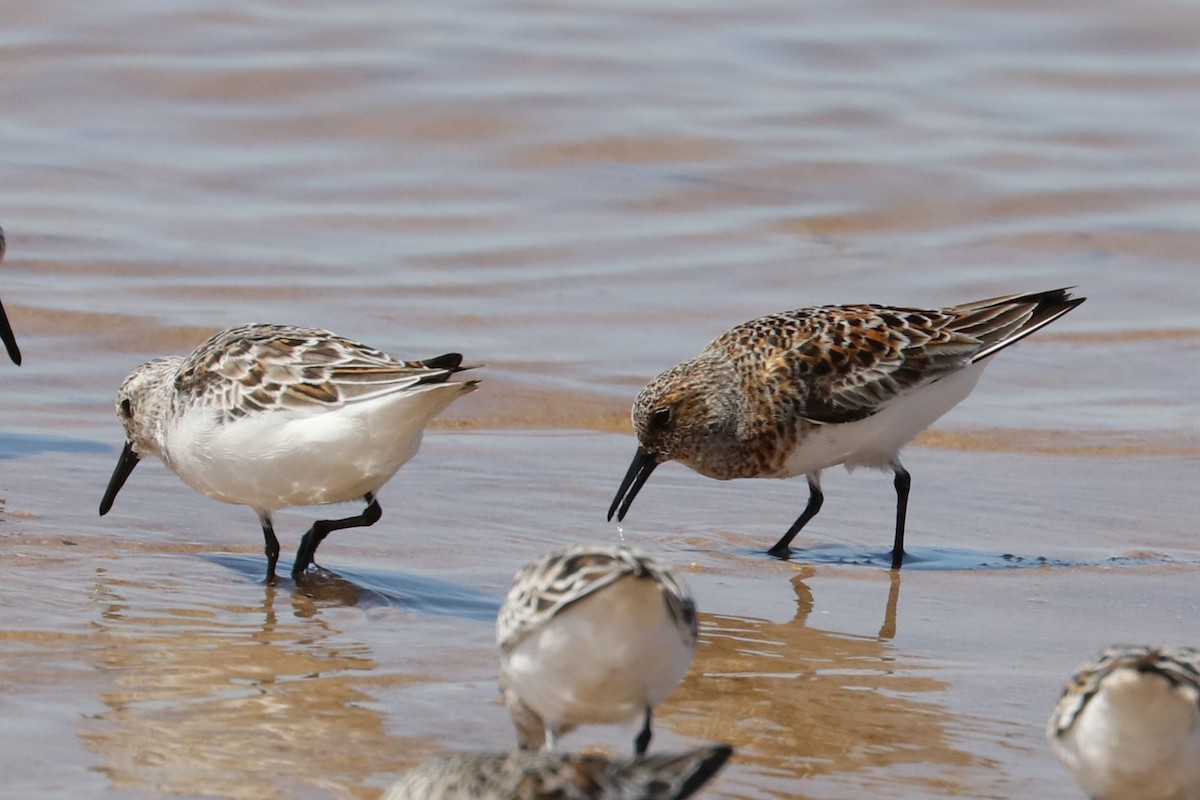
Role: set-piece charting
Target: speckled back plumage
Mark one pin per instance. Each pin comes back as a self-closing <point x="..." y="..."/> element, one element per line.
<point x="1180" y="666"/>
<point x="256" y="367"/>
<point x="561" y="577"/>
<point x="838" y="363"/>
<point x="530" y="775"/>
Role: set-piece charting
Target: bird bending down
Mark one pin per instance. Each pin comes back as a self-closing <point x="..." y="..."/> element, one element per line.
<point x="592" y="634"/>
<point x="525" y="775"/>
<point x="798" y="392"/>
<point x="272" y="416"/>
<point x="1127" y="726"/>
<point x="6" y="332"/>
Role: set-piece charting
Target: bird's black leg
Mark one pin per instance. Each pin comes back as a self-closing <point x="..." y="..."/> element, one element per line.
<point x="272" y="544"/>
<point x="815" y="498"/>
<point x="902" y="482"/>
<point x="643" y="739"/>
<point x="323" y="527"/>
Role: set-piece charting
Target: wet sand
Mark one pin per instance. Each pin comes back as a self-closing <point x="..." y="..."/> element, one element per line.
<point x="155" y="661"/>
<point x="577" y="198"/>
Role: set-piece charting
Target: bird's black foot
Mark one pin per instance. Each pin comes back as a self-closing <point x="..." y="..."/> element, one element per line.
<point x="307" y="551"/>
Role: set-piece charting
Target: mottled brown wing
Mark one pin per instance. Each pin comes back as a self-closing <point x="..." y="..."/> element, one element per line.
<point x="844" y="363"/>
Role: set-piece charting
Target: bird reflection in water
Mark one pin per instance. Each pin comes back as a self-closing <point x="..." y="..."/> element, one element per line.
<point x="224" y="699"/>
<point x="797" y="701"/>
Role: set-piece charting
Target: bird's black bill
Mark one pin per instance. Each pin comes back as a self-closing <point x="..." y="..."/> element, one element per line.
<point x="6" y="334"/>
<point x="125" y="465"/>
<point x="643" y="464"/>
<point x="10" y="341"/>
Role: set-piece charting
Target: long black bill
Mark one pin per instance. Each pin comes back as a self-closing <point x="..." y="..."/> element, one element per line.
<point x="643" y="464"/>
<point x="10" y="341"/>
<point x="125" y="465"/>
<point x="6" y="334"/>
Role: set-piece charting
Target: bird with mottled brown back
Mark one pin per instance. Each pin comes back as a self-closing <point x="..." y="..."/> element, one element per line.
<point x="798" y="392"/>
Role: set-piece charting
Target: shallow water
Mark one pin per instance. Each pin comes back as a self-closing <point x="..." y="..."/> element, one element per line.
<point x="579" y="196"/>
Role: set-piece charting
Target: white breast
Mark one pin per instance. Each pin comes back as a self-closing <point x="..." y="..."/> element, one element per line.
<point x="285" y="458"/>
<point x="1138" y="738"/>
<point x="601" y="660"/>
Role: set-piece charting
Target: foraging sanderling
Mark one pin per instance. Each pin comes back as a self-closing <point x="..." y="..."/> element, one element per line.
<point x="525" y="775"/>
<point x="592" y="634"/>
<point x="1127" y="727"/>
<point x="271" y="416"/>
<point x="798" y="392"/>
<point x="6" y="333"/>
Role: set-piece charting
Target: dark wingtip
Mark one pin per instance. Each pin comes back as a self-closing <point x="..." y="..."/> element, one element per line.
<point x="450" y="361"/>
<point x="1063" y="296"/>
<point x="443" y="367"/>
<point x="717" y="756"/>
<point x="1050" y="306"/>
<point x="1039" y="309"/>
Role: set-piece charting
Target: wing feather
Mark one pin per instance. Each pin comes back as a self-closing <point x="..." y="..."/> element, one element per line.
<point x="844" y="363"/>
<point x="253" y="368"/>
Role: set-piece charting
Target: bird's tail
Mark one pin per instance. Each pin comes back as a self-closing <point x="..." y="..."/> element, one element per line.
<point x="1001" y="321"/>
<point x="681" y="774"/>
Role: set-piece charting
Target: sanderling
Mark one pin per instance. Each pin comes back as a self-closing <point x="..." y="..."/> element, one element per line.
<point x="798" y="392"/>
<point x="271" y="416"/>
<point x="6" y="332"/>
<point x="1127" y="727"/>
<point x="592" y="634"/>
<point x="524" y="775"/>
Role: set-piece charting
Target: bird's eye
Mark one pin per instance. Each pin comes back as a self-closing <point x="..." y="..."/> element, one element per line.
<point x="126" y="408"/>
<point x="661" y="418"/>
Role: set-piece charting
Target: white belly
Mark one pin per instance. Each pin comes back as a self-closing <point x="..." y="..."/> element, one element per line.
<point x="876" y="440"/>
<point x="277" y="459"/>
<point x="1137" y="739"/>
<point x="601" y="660"/>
